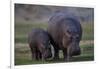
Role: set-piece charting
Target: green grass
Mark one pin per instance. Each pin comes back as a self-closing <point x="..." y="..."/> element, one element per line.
<point x="22" y="30"/>
<point x="88" y="31"/>
<point x="23" y="54"/>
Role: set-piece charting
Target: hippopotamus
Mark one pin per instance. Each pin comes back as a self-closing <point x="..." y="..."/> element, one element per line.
<point x="66" y="33"/>
<point x="39" y="43"/>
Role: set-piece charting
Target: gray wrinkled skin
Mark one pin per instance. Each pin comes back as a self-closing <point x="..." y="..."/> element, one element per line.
<point x="39" y="43"/>
<point x="66" y="33"/>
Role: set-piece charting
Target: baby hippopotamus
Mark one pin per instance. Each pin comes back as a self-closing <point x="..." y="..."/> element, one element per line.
<point x="39" y="42"/>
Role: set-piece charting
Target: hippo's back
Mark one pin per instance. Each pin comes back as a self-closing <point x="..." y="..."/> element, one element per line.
<point x="37" y="35"/>
<point x="61" y="23"/>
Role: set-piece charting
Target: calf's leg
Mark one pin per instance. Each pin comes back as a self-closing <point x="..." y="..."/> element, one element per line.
<point x="33" y="52"/>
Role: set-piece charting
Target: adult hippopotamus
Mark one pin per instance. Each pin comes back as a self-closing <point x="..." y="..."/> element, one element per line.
<point x="66" y="33"/>
<point x="39" y="43"/>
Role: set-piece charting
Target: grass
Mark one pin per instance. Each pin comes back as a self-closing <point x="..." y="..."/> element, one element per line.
<point x="22" y="30"/>
<point x="88" y="31"/>
<point x="23" y="54"/>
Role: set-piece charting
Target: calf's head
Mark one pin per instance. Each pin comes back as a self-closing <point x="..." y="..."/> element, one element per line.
<point x="45" y="49"/>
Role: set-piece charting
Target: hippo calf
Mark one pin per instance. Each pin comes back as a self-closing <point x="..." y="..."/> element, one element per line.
<point x="39" y="43"/>
<point x="66" y="33"/>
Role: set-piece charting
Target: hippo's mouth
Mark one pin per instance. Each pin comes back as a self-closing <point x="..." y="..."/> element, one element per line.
<point x="75" y="53"/>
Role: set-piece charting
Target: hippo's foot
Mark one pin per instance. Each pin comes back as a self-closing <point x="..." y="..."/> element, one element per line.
<point x="56" y="58"/>
<point x="68" y="59"/>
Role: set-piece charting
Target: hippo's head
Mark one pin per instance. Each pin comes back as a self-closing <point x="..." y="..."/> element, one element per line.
<point x="46" y="50"/>
<point x="74" y="45"/>
<point x="72" y="41"/>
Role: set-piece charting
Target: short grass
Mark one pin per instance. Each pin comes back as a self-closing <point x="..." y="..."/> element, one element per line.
<point x="23" y="54"/>
<point x="88" y="31"/>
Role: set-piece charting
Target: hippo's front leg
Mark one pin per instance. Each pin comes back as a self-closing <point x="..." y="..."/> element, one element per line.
<point x="68" y="53"/>
<point x="33" y="51"/>
<point x="65" y="54"/>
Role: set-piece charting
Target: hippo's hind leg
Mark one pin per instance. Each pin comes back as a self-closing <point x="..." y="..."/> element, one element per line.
<point x="38" y="55"/>
<point x="65" y="54"/>
<point x="33" y="52"/>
